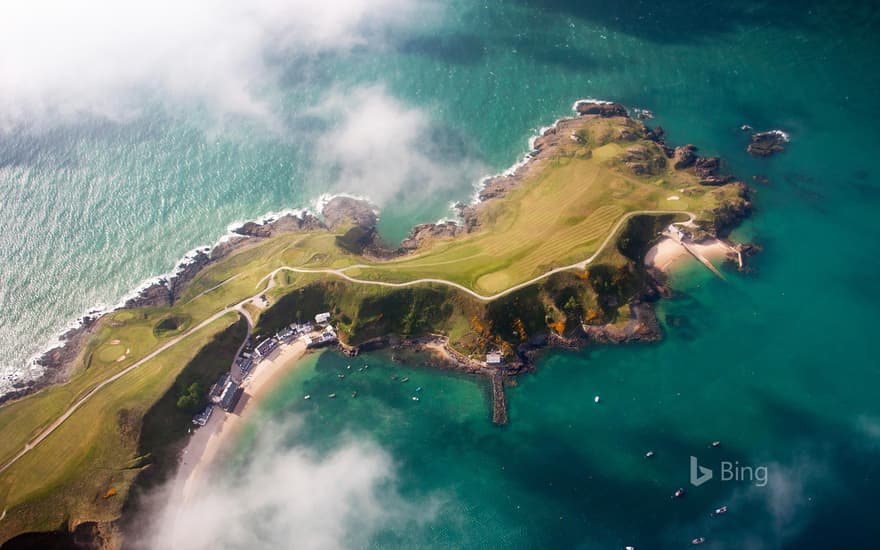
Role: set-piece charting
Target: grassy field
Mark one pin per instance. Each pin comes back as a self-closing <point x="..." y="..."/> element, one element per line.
<point x="67" y="477"/>
<point x="560" y="214"/>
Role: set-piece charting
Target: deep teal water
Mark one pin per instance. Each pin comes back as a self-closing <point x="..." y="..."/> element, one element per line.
<point x="780" y="364"/>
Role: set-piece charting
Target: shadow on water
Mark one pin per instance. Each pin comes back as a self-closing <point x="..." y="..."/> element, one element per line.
<point x="682" y="21"/>
<point x="836" y="480"/>
<point x="807" y="502"/>
<point x="539" y="483"/>
<point x="468" y="49"/>
<point x="458" y="48"/>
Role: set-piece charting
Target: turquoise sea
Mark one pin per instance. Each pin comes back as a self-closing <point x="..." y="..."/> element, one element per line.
<point x="780" y="364"/>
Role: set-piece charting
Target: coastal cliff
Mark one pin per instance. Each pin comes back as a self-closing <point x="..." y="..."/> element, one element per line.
<point x="551" y="255"/>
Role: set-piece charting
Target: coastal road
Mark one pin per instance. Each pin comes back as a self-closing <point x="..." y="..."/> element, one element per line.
<point x="239" y="307"/>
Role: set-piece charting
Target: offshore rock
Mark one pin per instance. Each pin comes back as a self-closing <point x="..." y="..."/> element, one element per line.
<point x="765" y="144"/>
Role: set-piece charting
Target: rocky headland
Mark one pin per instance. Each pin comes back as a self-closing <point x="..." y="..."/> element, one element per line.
<point x="359" y="217"/>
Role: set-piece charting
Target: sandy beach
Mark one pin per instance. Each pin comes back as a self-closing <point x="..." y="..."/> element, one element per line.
<point x="668" y="253"/>
<point x="214" y="438"/>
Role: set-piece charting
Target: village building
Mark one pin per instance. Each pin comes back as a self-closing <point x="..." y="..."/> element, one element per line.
<point x="217" y="388"/>
<point x="202" y="418"/>
<point x="322" y="318"/>
<point x="230" y="396"/>
<point x="266" y="347"/>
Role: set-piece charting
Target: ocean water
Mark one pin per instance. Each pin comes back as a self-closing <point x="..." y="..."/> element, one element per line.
<point x="779" y="364"/>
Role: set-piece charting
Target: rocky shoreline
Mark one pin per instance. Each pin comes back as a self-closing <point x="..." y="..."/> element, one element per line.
<point x="364" y="239"/>
<point x="165" y="290"/>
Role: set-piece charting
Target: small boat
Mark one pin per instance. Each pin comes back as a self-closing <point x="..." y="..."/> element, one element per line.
<point x="698" y="540"/>
<point x="596" y="399"/>
<point x="348" y="367"/>
<point x="354" y="394"/>
<point x="649" y="454"/>
<point x="366" y="366"/>
<point x="415" y="398"/>
<point x="394" y="377"/>
<point x="307" y="397"/>
<point x="419" y="388"/>
<point x="361" y="369"/>
<point x="716" y="443"/>
<point x="629" y="548"/>
<point x="720" y="511"/>
<point x="332" y="396"/>
<point x="405" y="379"/>
<point x="678" y="493"/>
<point x="340" y="376"/>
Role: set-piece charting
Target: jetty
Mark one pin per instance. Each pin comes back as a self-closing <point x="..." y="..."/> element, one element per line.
<point x="499" y="399"/>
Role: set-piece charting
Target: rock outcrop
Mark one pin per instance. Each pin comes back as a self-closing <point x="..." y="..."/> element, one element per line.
<point x="285" y="223"/>
<point x="731" y="213"/>
<point x="600" y="108"/>
<point x="642" y="326"/>
<point x="340" y="210"/>
<point x="684" y="156"/>
<point x="765" y="144"/>
<point x="426" y="232"/>
<point x="642" y="161"/>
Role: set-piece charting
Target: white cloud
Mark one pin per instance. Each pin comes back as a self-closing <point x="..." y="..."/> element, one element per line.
<point x="291" y="497"/>
<point x="62" y="60"/>
<point x="382" y="148"/>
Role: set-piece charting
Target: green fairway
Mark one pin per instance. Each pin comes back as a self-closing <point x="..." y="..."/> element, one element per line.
<point x="569" y="205"/>
<point x="560" y="214"/>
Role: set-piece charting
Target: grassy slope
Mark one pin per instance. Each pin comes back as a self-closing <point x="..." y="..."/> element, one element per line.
<point x="96" y="449"/>
<point x="558" y="217"/>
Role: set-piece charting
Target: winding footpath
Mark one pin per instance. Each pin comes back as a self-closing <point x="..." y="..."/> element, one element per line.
<point x="67" y="414"/>
<point x="579" y="265"/>
<point x="239" y="307"/>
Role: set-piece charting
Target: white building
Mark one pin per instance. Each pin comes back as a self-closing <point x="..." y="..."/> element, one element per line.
<point x="676" y="233"/>
<point x="322" y="318"/>
<point x="493" y="358"/>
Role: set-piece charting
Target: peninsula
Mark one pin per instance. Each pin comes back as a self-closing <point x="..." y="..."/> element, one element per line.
<point x="552" y="254"/>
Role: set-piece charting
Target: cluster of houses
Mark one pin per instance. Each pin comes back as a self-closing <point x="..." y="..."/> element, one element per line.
<point x="319" y="333"/>
<point x="226" y="392"/>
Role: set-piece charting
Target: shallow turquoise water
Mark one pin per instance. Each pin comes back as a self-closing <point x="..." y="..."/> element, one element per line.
<point x="779" y="364"/>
